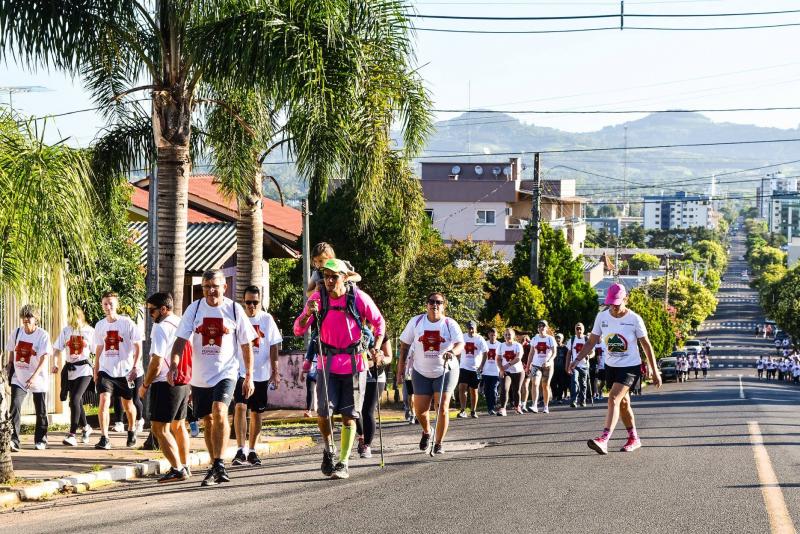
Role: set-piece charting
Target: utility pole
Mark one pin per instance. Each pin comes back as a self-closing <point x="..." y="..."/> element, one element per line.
<point x="666" y="284"/>
<point x="535" y="209"/>
<point x="306" y="253"/>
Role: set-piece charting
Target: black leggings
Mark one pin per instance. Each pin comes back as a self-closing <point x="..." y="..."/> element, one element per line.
<point x="119" y="411"/>
<point x="311" y="393"/>
<point x="366" y="428"/>
<point x="77" y="415"/>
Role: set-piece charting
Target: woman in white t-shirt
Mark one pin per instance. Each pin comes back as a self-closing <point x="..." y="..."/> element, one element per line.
<point x="623" y="331"/>
<point x="543" y="352"/>
<point x="437" y="341"/>
<point x="30" y="351"/>
<point x="74" y="348"/>
<point x="511" y="371"/>
<point x="490" y="371"/>
<point x="760" y="363"/>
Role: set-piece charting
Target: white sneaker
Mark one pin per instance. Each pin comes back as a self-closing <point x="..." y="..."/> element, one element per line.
<point x="70" y="440"/>
<point x="140" y="426"/>
<point x="534" y="409"/>
<point x="40" y="446"/>
<point x="118" y="427"/>
<point x="546" y="409"/>
<point x="87" y="431"/>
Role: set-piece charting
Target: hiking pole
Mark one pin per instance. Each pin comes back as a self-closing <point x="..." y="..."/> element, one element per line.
<point x="380" y="424"/>
<point x="332" y="445"/>
<point x="439" y="407"/>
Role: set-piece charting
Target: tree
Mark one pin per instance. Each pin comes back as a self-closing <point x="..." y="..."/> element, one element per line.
<point x="608" y="210"/>
<point x="712" y="252"/>
<point x="786" y="310"/>
<point x="693" y="301"/>
<point x="643" y="262"/>
<point x="286" y="291"/>
<point x="764" y="256"/>
<point x="769" y="286"/>
<point x="526" y="306"/>
<point x="46" y="227"/>
<point x="311" y="58"/>
<point x="660" y="325"/>
<point x="633" y="236"/>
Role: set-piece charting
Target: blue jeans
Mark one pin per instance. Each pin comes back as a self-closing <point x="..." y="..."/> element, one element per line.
<point x="490" y="391"/>
<point x="577" y="388"/>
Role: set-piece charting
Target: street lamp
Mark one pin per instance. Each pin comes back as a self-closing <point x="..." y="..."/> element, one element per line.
<point x="13" y="89"/>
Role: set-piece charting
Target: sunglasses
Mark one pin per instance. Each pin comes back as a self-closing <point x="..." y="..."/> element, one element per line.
<point x="151" y="310"/>
<point x="252" y="302"/>
<point x="331" y="276"/>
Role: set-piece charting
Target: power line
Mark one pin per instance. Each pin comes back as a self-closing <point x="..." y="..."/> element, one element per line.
<point x="607" y="28"/>
<point x="606" y="112"/>
<point x="604" y="16"/>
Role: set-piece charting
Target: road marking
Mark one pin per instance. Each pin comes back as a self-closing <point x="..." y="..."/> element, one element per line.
<point x="741" y="388"/>
<point x="779" y="519"/>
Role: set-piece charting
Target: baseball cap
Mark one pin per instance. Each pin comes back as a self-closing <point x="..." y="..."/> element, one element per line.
<point x="471" y="324"/>
<point x="336" y="265"/>
<point x="541" y="323"/>
<point x="615" y="295"/>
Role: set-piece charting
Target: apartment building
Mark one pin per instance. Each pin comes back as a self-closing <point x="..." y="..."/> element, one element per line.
<point x="613" y="225"/>
<point x="681" y="210"/>
<point x="784" y="214"/>
<point x="490" y="201"/>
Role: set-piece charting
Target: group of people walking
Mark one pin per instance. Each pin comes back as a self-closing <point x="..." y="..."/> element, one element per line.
<point x="693" y="363"/>
<point x="221" y="352"/>
<point x="785" y="368"/>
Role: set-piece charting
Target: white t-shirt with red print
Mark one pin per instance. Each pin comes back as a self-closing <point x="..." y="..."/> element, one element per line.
<point x="76" y="344"/>
<point x="620" y="336"/>
<point x="215" y="331"/>
<point x="543" y="348"/>
<point x="472" y="355"/>
<point x="117" y="340"/>
<point x="162" y="337"/>
<point x="267" y="335"/>
<point x="600" y="354"/>
<point x="492" y="351"/>
<point x="29" y="349"/>
<point x="508" y="353"/>
<point x="431" y="339"/>
<point x="575" y="347"/>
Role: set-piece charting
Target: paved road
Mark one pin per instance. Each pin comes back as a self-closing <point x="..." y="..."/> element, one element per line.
<point x="697" y="472"/>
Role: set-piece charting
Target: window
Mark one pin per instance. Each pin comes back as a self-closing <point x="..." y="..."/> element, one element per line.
<point x="484" y="217"/>
<point x="429" y="213"/>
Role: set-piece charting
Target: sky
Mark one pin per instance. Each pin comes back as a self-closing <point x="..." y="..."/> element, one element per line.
<point x="603" y="70"/>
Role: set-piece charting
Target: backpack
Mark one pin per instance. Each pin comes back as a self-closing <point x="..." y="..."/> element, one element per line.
<point x="183" y="375"/>
<point x="367" y="340"/>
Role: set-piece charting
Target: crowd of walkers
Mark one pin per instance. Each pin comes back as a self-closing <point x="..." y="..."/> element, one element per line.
<point x="222" y="353"/>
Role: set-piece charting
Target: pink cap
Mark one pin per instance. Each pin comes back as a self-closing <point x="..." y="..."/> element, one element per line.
<point x="615" y="295"/>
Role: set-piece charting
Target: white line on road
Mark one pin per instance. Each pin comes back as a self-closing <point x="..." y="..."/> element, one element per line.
<point x="741" y="388"/>
<point x="779" y="519"/>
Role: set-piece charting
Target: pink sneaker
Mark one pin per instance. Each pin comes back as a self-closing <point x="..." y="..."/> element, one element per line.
<point x="600" y="446"/>
<point x="518" y="409"/>
<point x="631" y="445"/>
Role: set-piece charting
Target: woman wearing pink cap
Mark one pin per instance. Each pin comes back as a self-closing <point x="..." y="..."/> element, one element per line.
<point x="620" y="329"/>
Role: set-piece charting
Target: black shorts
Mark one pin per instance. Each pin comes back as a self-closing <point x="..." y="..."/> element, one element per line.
<point x="204" y="398"/>
<point x="409" y="387"/>
<point x="341" y="395"/>
<point x="627" y="376"/>
<point x="601" y="374"/>
<point x="257" y="401"/>
<point x="470" y="378"/>
<point x="114" y="385"/>
<point x="168" y="403"/>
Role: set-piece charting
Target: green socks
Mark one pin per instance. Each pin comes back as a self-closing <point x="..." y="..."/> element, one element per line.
<point x="348" y="437"/>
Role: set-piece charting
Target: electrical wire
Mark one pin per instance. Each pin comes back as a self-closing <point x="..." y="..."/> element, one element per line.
<point x="609" y="112"/>
<point x="607" y="28"/>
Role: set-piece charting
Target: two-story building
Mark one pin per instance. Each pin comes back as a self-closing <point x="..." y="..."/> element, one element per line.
<point x="489" y="201"/>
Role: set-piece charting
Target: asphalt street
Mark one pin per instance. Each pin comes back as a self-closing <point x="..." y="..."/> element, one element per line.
<point x="697" y="471"/>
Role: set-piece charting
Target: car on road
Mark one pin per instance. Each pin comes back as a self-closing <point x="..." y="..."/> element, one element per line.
<point x="745" y="276"/>
<point x="669" y="367"/>
<point x="692" y="346"/>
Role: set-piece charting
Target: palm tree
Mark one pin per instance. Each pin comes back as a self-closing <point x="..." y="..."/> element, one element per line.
<point x="323" y="60"/>
<point x="46" y="226"/>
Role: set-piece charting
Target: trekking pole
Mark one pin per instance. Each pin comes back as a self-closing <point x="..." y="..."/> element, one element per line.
<point x="439" y="407"/>
<point x="380" y="424"/>
<point x="332" y="445"/>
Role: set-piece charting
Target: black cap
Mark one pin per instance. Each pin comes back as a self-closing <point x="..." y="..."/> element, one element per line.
<point x="471" y="324"/>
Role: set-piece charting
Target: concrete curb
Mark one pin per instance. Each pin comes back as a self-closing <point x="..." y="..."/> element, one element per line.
<point x="89" y="481"/>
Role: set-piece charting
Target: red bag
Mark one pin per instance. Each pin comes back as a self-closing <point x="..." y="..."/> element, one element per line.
<point x="183" y="375"/>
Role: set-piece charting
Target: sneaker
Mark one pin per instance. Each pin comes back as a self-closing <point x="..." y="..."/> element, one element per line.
<point x="118" y="427"/>
<point x="573" y="404"/>
<point x="104" y="443"/>
<point x="462" y="414"/>
<point x="518" y="409"/>
<point x="631" y="445"/>
<point x="367" y="452"/>
<point x="474" y="415"/>
<point x="87" y="431"/>
<point x="534" y="409"/>
<point x="598" y="445"/>
<point x="524" y="409"/>
<point x="40" y="446"/>
<point x="194" y="429"/>
<point x="340" y="471"/>
<point x="140" y="426"/>
<point x="14" y="446"/>
<point x="187" y="471"/>
<point x="582" y="404"/>
<point x="502" y="412"/>
<point x="221" y="474"/>
<point x="491" y="412"/>
<point x="70" y="440"/>
<point x="210" y="478"/>
<point x="360" y="446"/>
<point x="131" y="442"/>
<point x="546" y="409"/>
<point x="253" y="458"/>
<point x="327" y="463"/>
<point x="306" y="414"/>
<point x="437" y="449"/>
<point x="173" y="475"/>
<point x="239" y="459"/>
<point x="424" y="441"/>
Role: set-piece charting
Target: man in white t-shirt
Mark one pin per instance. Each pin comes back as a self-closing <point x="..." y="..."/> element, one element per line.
<point x="168" y="402"/>
<point x="30" y="355"/>
<point x="265" y="375"/>
<point x="118" y="351"/>
<point x="471" y="359"/>
<point x="580" y="374"/>
<point x="215" y="325"/>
